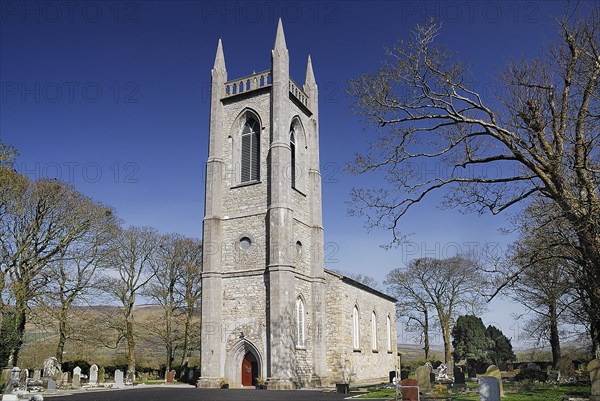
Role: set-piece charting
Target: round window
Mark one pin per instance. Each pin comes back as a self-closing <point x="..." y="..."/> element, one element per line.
<point x="245" y="243"/>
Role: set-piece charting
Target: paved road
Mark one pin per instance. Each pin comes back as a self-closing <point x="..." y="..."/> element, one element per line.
<point x="193" y="394"/>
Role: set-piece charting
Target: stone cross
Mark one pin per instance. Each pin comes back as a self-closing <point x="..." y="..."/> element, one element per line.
<point x="77" y="377"/>
<point x="594" y="369"/>
<point x="118" y="379"/>
<point x="423" y="378"/>
<point x="489" y="388"/>
<point x="93" y="375"/>
<point x="494" y="371"/>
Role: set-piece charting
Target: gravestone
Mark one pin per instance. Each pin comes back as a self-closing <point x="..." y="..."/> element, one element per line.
<point x="118" y="379"/>
<point x="24" y="375"/>
<point x="423" y="379"/>
<point x="554" y="375"/>
<point x="93" y="375"/>
<point x="493" y="371"/>
<point x="65" y="379"/>
<point x="411" y="393"/>
<point x="459" y="377"/>
<point x="130" y="378"/>
<point x="77" y="377"/>
<point x="442" y="373"/>
<point x="52" y="369"/>
<point x="51" y="386"/>
<point x="489" y="388"/>
<point x="37" y="375"/>
<point x="12" y="380"/>
<point x="594" y="369"/>
<point x="101" y="375"/>
<point x="171" y="377"/>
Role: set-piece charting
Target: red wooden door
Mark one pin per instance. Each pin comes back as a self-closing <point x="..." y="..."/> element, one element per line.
<point x="246" y="371"/>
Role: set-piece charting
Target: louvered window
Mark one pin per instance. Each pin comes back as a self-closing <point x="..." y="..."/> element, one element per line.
<point x="250" y="151"/>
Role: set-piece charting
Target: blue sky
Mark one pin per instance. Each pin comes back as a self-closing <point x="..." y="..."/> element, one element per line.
<point x="114" y="98"/>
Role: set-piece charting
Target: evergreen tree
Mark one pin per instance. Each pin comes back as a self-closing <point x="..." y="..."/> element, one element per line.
<point x="471" y="342"/>
<point x="502" y="350"/>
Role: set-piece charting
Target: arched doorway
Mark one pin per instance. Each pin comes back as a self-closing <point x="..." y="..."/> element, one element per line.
<point x="249" y="369"/>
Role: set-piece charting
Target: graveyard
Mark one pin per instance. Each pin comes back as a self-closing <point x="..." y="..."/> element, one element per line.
<point x="493" y="385"/>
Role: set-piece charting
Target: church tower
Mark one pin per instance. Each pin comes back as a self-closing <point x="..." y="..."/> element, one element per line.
<point x="263" y="282"/>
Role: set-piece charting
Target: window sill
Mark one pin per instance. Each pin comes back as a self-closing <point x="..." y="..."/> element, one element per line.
<point x="375" y="351"/>
<point x="357" y="350"/>
<point x="301" y="347"/>
<point x="390" y="352"/>
<point x="246" y="184"/>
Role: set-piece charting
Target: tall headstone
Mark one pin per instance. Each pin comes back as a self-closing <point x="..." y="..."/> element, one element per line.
<point x="118" y="379"/>
<point x="93" y="375"/>
<point x="423" y="379"/>
<point x="489" y="388"/>
<point x="459" y="377"/>
<point x="77" y="377"/>
<point x="65" y="379"/>
<point x="23" y="379"/>
<point x="101" y="375"/>
<point x="130" y="378"/>
<point x="494" y="371"/>
<point x="51" y="386"/>
<point x="594" y="369"/>
<point x="37" y="374"/>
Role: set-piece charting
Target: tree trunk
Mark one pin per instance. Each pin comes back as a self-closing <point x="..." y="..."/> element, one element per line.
<point x="554" y="338"/>
<point x="20" y="320"/>
<point x="426" y="334"/>
<point x="169" y="340"/>
<point x="130" y="348"/>
<point x="62" y="334"/>
<point x="447" y="342"/>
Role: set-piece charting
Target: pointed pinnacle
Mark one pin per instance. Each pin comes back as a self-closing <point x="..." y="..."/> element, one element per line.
<point x="220" y="58"/>
<point x="309" y="80"/>
<point x="280" y="37"/>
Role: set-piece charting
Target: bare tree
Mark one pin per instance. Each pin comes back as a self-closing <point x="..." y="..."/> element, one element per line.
<point x="412" y="301"/>
<point x="190" y="290"/>
<point x="132" y="257"/>
<point x="540" y="137"/>
<point x="168" y="288"/>
<point x="447" y="286"/>
<point x="75" y="273"/>
<point x="37" y="228"/>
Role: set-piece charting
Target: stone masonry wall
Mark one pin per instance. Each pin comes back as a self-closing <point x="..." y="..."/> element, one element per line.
<point x="363" y="365"/>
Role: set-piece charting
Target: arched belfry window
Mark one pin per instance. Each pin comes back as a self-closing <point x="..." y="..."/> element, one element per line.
<point x="293" y="164"/>
<point x="300" y="324"/>
<point x="355" y="328"/>
<point x="250" y="150"/>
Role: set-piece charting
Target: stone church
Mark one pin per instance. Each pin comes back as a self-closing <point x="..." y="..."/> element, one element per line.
<point x="270" y="311"/>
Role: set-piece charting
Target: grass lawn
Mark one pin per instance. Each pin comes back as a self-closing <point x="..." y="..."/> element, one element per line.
<point x="534" y="392"/>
